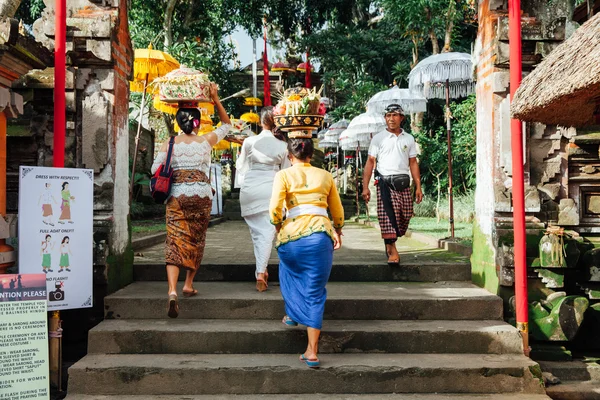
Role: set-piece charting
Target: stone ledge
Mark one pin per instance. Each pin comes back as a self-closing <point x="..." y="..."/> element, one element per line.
<point x="446" y="244"/>
<point x="158" y="238"/>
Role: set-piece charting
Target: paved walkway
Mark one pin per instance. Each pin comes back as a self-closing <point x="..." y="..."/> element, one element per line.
<point x="230" y="243"/>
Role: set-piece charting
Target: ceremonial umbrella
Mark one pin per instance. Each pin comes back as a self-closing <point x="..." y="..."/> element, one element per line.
<point x="148" y="64"/>
<point x="411" y="102"/>
<point x="365" y="124"/>
<point x="444" y="76"/>
<point x="358" y="135"/>
<point x="250" y="117"/>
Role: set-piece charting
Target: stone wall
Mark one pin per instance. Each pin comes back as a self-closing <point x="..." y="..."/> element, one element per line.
<point x="99" y="65"/>
<point x="561" y="172"/>
<point x="543" y="28"/>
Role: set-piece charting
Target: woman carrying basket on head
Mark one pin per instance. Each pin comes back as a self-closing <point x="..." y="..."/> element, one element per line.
<point x="190" y="201"/>
<point x="306" y="239"/>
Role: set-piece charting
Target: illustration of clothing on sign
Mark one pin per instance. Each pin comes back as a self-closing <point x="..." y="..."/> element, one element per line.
<point x="46" y="250"/>
<point x="65" y="250"/>
<point x="65" y="206"/>
<point x="46" y="199"/>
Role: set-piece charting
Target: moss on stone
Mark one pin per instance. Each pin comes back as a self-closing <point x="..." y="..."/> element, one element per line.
<point x="483" y="261"/>
<point x="119" y="270"/>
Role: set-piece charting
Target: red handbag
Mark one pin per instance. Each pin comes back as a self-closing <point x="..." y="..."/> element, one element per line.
<point x="160" y="183"/>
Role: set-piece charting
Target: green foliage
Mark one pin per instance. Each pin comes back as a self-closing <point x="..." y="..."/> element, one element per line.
<point x="29" y="11"/>
<point x="198" y="28"/>
<point x="464" y="207"/>
<point x="136" y="210"/>
<point x="464" y="144"/>
<point x="355" y="93"/>
<point x="434" y="150"/>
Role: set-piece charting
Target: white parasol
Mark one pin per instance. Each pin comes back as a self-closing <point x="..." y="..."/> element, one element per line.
<point x="444" y="76"/>
<point x="431" y="75"/>
<point x="365" y="126"/>
<point x="410" y="101"/>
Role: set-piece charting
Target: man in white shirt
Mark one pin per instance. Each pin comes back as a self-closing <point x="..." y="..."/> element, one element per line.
<point x="393" y="156"/>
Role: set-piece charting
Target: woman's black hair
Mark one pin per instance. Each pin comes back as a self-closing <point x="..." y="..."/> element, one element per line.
<point x="63" y="185"/>
<point x="48" y="236"/>
<point x="301" y="148"/>
<point x="279" y="134"/>
<point x="185" y="119"/>
<point x="65" y="238"/>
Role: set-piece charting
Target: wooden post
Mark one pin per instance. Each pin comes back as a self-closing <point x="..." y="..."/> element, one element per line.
<point x="449" y="139"/>
<point x="137" y="140"/>
<point x="4" y="248"/>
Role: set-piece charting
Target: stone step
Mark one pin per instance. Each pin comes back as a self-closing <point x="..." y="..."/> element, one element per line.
<point x="575" y="390"/>
<point x="356" y="301"/>
<point x="572" y="370"/>
<point x="232" y="216"/>
<point x="155" y="374"/>
<point x="271" y="336"/>
<point x="428" y="396"/>
<point x="425" y="271"/>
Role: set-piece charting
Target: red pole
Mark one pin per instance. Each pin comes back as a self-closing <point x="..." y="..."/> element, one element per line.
<point x="60" y="127"/>
<point x="518" y="184"/>
<point x="60" y="70"/>
<point x="266" y="79"/>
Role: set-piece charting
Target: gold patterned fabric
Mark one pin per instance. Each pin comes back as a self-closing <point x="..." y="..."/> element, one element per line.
<point x="187" y="222"/>
<point x="189" y="176"/>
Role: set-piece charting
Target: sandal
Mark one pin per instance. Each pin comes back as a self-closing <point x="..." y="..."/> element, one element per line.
<point x="310" y="363"/>
<point x="190" y="293"/>
<point x="261" y="284"/>
<point x="173" y="306"/>
<point x="392" y="263"/>
<point x="288" y="321"/>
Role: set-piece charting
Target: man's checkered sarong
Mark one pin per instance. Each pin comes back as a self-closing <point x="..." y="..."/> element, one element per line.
<point x="403" y="207"/>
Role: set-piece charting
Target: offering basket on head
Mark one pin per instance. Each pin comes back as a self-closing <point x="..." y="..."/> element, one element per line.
<point x="184" y="84"/>
<point x="299" y="109"/>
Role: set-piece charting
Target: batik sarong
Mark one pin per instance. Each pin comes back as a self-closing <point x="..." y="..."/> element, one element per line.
<point x="402" y="205"/>
<point x="304" y="268"/>
<point x="187" y="221"/>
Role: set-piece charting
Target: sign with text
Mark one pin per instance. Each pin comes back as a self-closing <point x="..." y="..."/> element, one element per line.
<point x="56" y="211"/>
<point x="23" y="337"/>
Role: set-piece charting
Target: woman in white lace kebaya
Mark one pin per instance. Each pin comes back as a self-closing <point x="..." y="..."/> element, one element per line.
<point x="188" y="207"/>
<point x="260" y="159"/>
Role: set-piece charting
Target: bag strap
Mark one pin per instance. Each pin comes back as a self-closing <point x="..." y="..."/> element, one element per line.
<point x="169" y="153"/>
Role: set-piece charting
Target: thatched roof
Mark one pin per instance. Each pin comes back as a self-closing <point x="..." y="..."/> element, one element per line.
<point x="563" y="88"/>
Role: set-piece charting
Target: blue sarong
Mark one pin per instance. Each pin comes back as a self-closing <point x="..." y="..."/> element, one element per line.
<point x="304" y="268"/>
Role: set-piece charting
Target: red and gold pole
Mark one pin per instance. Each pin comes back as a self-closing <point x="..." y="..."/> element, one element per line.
<point x="60" y="72"/>
<point x="60" y="133"/>
<point x="518" y="180"/>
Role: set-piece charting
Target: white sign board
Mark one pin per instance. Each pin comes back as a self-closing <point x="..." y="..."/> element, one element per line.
<point x="56" y="208"/>
<point x="23" y="338"/>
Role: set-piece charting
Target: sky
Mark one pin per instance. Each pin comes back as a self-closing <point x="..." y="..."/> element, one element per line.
<point x="243" y="43"/>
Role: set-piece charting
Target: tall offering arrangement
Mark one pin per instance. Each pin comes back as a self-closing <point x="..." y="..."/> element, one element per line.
<point x="299" y="109"/>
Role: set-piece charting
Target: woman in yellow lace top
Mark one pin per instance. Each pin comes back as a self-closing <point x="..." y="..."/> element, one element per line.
<point x="306" y="239"/>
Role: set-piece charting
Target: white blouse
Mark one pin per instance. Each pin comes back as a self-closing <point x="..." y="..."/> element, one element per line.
<point x="191" y="156"/>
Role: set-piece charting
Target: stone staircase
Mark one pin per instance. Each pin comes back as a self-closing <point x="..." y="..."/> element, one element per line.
<point x="421" y="331"/>
<point x="579" y="380"/>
